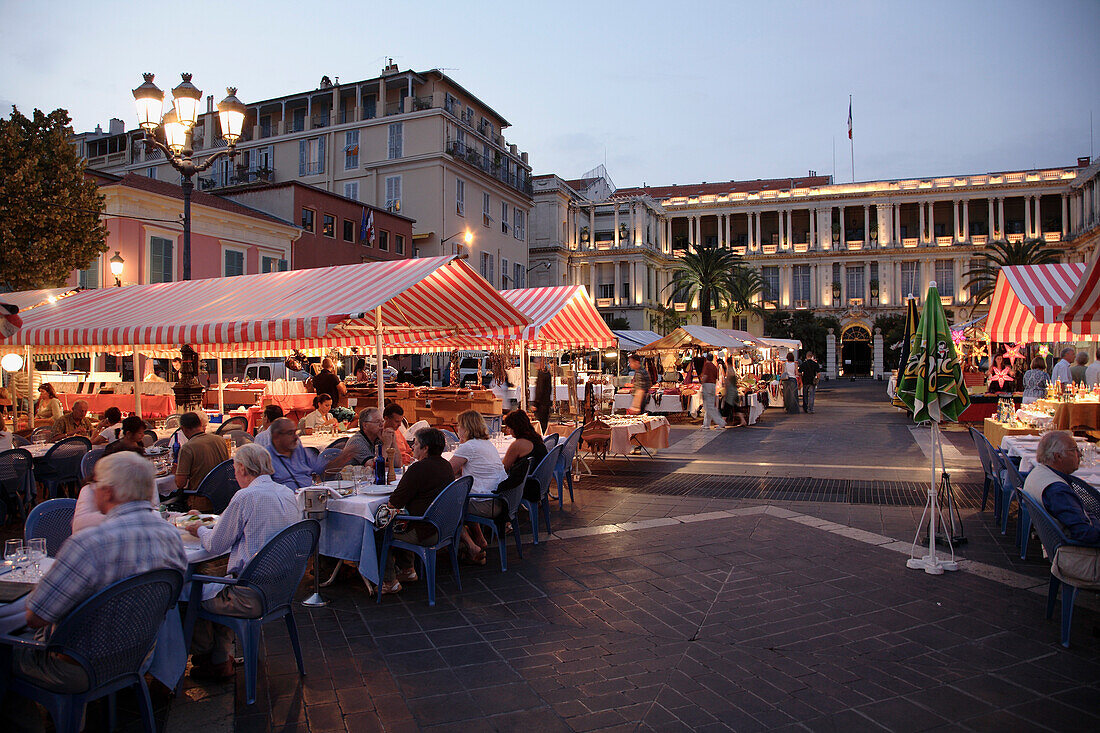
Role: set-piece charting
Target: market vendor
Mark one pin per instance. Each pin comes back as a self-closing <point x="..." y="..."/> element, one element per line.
<point x="1002" y="377"/>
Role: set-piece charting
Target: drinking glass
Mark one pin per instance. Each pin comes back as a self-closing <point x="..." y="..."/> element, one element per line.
<point x="12" y="550"/>
<point x="36" y="553"/>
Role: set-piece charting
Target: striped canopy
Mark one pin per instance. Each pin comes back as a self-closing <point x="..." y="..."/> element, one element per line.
<point x="1028" y="300"/>
<point x="271" y="313"/>
<point x="1082" y="311"/>
<point x="561" y="318"/>
<point x="702" y="337"/>
<point x="24" y="300"/>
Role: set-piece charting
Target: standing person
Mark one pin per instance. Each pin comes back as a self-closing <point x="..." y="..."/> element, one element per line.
<point x="809" y="369"/>
<point x="1036" y="380"/>
<point x="1077" y="371"/>
<point x="708" y="378"/>
<point x="642" y="383"/>
<point x="543" y="395"/>
<point x="790" y="384"/>
<point x="1092" y="373"/>
<point x="732" y="398"/>
<point x="1061" y="372"/>
<point x="1001" y="376"/>
<point x="326" y="382"/>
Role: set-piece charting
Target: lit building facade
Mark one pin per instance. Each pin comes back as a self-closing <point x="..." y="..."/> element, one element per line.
<point x="414" y="143"/>
<point x="854" y="251"/>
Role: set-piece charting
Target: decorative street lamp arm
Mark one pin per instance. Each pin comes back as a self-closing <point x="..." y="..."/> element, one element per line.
<point x="185" y="164"/>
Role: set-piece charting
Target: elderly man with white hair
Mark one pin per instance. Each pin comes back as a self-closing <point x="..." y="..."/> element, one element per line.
<point x="256" y="513"/>
<point x="1061" y="371"/>
<point x="1049" y="483"/>
<point x="133" y="539"/>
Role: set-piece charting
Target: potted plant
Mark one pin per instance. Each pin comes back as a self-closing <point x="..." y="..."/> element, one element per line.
<point x="836" y="232"/>
<point x="263" y="173"/>
<point x="584" y="234"/>
<point x="836" y="288"/>
<point x="874" y="232"/>
<point x="873" y="285"/>
<point x="624" y="233"/>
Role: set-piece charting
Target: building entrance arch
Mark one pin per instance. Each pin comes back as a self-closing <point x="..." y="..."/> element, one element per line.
<point x="856" y="350"/>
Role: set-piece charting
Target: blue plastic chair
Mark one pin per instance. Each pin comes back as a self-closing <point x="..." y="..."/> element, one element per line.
<point x="17" y="478"/>
<point x="219" y="486"/>
<point x="18" y="441"/>
<point x="87" y="464"/>
<point x="452" y="439"/>
<point x="338" y="444"/>
<point x="52" y="520"/>
<point x="231" y="424"/>
<point x="1011" y="487"/>
<point x="1052" y="537"/>
<point x="108" y="636"/>
<point x="275" y="574"/>
<point x="982" y="445"/>
<point x="329" y="453"/>
<point x="61" y="464"/>
<point x="551" y="440"/>
<point x="563" y="471"/>
<point x="510" y="492"/>
<point x="446" y="514"/>
<point x="541" y="477"/>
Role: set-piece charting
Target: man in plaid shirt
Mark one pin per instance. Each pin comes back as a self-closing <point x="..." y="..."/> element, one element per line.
<point x="132" y="540"/>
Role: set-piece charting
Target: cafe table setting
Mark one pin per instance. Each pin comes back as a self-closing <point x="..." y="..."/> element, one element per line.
<point x="1025" y="446"/>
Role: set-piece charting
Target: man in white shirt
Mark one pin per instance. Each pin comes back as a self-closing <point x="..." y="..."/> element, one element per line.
<point x="1061" y="372"/>
<point x="1092" y="373"/>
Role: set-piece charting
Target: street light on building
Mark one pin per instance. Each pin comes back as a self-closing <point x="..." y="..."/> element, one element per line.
<point x="177" y="125"/>
<point x="116" y="268"/>
<point x="467" y="239"/>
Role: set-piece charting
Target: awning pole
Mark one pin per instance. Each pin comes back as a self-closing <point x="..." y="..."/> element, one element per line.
<point x="221" y="388"/>
<point x="137" y="384"/>
<point x="523" y="374"/>
<point x="378" y="377"/>
<point x="27" y="364"/>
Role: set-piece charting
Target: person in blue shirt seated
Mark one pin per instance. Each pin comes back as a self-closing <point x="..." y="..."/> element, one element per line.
<point x="295" y="465"/>
<point x="1067" y="501"/>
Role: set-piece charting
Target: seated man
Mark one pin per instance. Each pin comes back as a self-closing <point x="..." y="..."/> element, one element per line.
<point x="256" y="513"/>
<point x="1049" y="482"/>
<point x="74" y="422"/>
<point x="421" y="483"/>
<point x="131" y="540"/>
<point x="263" y="434"/>
<point x="197" y="457"/>
<point x="393" y="427"/>
<point x="362" y="447"/>
<point x="321" y="415"/>
<point x="293" y="464"/>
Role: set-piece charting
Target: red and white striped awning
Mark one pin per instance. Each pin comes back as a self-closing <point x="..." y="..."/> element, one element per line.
<point x="1028" y="300"/>
<point x="561" y="318"/>
<point x="1082" y="311"/>
<point x="273" y="312"/>
<point x="24" y="300"/>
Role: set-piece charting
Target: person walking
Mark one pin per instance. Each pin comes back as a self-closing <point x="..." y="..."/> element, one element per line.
<point x="790" y="384"/>
<point x="642" y="383"/>
<point x="708" y="378"/>
<point x="809" y="369"/>
<point x="731" y="399"/>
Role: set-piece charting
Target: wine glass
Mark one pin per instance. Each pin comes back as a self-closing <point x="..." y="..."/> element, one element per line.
<point x="12" y="550"/>
<point x="36" y="553"/>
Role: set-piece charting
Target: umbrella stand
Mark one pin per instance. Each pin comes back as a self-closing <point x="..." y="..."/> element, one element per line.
<point x="931" y="563"/>
<point x="951" y="531"/>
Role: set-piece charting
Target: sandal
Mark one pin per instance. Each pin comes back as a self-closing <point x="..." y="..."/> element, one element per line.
<point x="466" y="557"/>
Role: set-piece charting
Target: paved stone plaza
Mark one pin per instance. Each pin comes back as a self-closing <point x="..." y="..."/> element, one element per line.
<point x="750" y="579"/>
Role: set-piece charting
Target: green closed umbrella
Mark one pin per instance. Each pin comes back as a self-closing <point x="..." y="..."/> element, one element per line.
<point x="912" y="318"/>
<point x="931" y="386"/>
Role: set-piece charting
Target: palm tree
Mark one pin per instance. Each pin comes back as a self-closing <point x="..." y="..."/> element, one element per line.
<point x="744" y="285"/>
<point x="703" y="271"/>
<point x="982" y="279"/>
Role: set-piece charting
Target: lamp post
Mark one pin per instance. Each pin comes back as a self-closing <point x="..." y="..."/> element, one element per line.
<point x="178" y="125"/>
<point x="467" y="239"/>
<point x="116" y="268"/>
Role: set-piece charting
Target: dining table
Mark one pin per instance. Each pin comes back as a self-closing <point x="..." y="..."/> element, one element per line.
<point x="995" y="431"/>
<point x="649" y="432"/>
<point x="1081" y="413"/>
<point x="153" y="406"/>
<point x="1025" y="446"/>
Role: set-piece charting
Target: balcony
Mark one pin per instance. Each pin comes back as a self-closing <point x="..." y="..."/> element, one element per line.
<point x="240" y="177"/>
<point x="319" y="121"/>
<point x="493" y="168"/>
<point x="910" y="242"/>
<point x="945" y="241"/>
<point x="1052" y="236"/>
<point x="854" y="244"/>
<point x="393" y="108"/>
<point x="605" y="302"/>
<point x="979" y="239"/>
<point x="311" y="168"/>
<point x="422" y="103"/>
<point x="1015" y="238"/>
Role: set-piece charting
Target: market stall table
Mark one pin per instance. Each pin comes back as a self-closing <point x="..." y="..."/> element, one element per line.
<point x="152" y="406"/>
<point x="996" y="431"/>
<point x="1068" y="415"/>
<point x="670" y="403"/>
<point x="647" y="431"/>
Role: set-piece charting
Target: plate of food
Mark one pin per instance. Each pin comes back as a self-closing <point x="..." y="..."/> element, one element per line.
<point x="207" y="520"/>
<point x="343" y="487"/>
<point x="156" y="450"/>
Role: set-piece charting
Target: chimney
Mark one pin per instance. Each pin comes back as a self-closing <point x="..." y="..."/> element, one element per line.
<point x="209" y="103"/>
<point x="1083" y="161"/>
<point x="116" y="126"/>
<point x="99" y="131"/>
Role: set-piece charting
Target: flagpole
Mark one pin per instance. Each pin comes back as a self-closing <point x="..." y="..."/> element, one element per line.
<point x="851" y="139"/>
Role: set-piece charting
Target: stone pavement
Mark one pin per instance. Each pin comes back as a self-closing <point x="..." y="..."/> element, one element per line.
<point x="697" y="612"/>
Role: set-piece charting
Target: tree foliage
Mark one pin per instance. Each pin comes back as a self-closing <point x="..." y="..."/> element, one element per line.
<point x="666" y="320"/>
<point x="49" y="210"/>
<point x="803" y="325"/>
<point x="704" y="272"/>
<point x="982" y="279"/>
<point x="743" y="286"/>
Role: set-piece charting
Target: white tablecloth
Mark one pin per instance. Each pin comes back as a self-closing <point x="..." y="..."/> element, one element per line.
<point x="320" y="442"/>
<point x="561" y="392"/>
<point x="669" y="403"/>
<point x="1024" y="447"/>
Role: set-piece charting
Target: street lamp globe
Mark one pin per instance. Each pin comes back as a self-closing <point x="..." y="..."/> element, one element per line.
<point x="149" y="101"/>
<point x="11" y="362"/>
<point x="116" y="264"/>
<point x="175" y="134"/>
<point x="231" y="115"/>
<point x="185" y="100"/>
<point x="468" y="238"/>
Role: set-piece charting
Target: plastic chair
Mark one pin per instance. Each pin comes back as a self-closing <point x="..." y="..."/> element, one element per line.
<point x="1052" y="537"/>
<point x="982" y="445"/>
<point x="150" y="438"/>
<point x="329" y="453"/>
<point x="52" y="520"/>
<point x="17" y="478"/>
<point x="108" y="636"/>
<point x="18" y="441"/>
<point x="1089" y="497"/>
<point x="446" y="513"/>
<point x="163" y="442"/>
<point x="452" y="439"/>
<point x="275" y="573"/>
<point x="87" y="464"/>
<point x="61" y="464"/>
<point x="541" y="477"/>
<point x="219" y="486"/>
<point x="563" y="471"/>
<point x="172" y="422"/>
<point x="1012" y="486"/>
<point x="510" y="492"/>
<point x="339" y="443"/>
<point x="233" y="423"/>
<point x="240" y="437"/>
<point x="551" y="440"/>
<point x="43" y="433"/>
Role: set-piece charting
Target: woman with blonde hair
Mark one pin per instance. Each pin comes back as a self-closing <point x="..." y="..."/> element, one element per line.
<point x="476" y="456"/>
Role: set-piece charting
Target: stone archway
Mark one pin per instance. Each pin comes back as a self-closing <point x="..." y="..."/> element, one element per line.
<point x="856" y="353"/>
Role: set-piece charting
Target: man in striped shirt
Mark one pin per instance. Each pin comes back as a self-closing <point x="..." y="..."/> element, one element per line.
<point x="133" y="539"/>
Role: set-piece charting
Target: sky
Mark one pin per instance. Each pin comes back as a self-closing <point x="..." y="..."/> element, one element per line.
<point x="660" y="92"/>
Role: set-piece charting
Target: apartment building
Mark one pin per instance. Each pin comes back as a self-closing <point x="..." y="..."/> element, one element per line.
<point x="853" y="250"/>
<point x="414" y="143"/>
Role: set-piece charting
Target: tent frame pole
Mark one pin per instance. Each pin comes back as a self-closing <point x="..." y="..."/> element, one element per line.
<point x="28" y="366"/>
<point x="137" y="383"/>
<point x="221" y="388"/>
<point x="523" y="388"/>
<point x="379" y="378"/>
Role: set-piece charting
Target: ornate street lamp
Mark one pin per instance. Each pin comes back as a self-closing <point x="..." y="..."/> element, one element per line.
<point x="116" y="268"/>
<point x="177" y="126"/>
<point x="467" y="239"/>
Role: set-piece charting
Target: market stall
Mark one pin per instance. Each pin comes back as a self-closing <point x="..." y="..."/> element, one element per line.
<point x="1081" y="313"/>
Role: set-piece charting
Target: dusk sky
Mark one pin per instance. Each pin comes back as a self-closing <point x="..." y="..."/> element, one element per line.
<point x="663" y="92"/>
